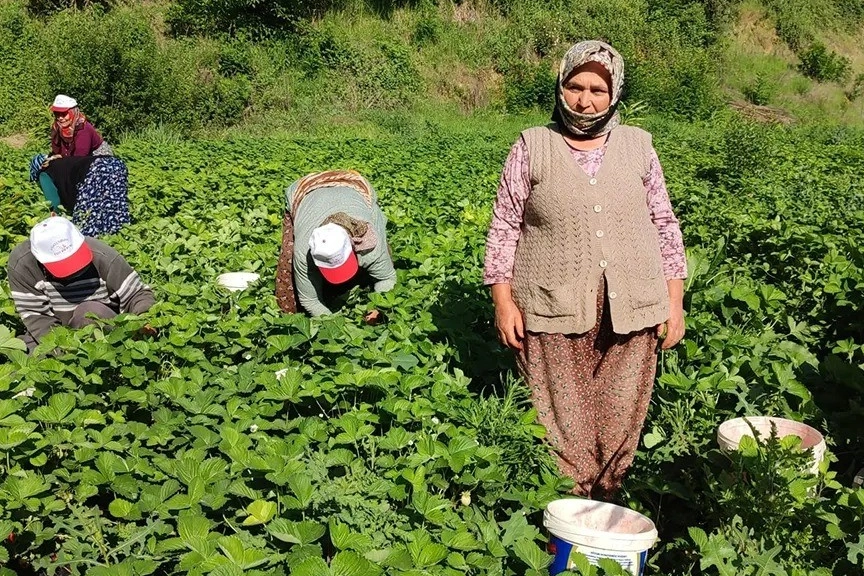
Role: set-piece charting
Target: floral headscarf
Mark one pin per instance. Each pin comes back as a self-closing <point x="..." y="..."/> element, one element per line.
<point x="599" y="123"/>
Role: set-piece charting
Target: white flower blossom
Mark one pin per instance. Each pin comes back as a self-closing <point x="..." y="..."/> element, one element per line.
<point x="281" y="373"/>
<point x="435" y="420"/>
<point x="253" y="428"/>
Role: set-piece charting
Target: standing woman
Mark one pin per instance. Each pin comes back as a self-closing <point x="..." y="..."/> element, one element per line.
<point x="586" y="265"/>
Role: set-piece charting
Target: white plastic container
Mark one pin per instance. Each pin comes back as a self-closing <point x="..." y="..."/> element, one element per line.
<point x="234" y="281"/>
<point x="597" y="530"/>
<point x="729" y="434"/>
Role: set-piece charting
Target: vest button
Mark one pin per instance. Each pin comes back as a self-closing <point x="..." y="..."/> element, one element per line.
<point x="603" y="263"/>
<point x="599" y="233"/>
<point x="598" y="208"/>
<point x="612" y="295"/>
<point x="592" y="181"/>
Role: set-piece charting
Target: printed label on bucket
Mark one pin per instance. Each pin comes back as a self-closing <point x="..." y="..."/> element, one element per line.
<point x="633" y="562"/>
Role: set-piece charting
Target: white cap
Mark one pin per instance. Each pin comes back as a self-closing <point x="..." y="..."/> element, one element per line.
<point x="63" y="103"/>
<point x="333" y="253"/>
<point x="58" y="245"/>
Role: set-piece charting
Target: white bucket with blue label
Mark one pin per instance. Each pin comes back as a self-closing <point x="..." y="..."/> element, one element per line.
<point x="597" y="530"/>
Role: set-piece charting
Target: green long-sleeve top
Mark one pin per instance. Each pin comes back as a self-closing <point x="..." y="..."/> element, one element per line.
<point x="316" y="207"/>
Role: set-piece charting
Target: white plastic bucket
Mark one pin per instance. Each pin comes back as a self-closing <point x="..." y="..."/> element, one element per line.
<point x="729" y="434"/>
<point x="234" y="281"/>
<point x="597" y="530"/>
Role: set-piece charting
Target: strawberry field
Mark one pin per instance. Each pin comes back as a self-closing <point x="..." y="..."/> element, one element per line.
<point x="242" y="440"/>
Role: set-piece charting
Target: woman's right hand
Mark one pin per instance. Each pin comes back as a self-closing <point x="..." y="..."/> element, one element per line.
<point x="509" y="323"/>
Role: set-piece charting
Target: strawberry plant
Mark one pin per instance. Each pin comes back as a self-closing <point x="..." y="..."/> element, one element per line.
<point x="243" y="440"/>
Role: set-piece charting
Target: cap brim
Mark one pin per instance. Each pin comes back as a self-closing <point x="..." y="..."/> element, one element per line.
<point x="343" y="273"/>
<point x="60" y="108"/>
<point x="74" y="263"/>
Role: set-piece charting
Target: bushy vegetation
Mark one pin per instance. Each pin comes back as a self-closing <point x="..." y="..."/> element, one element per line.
<point x="199" y="64"/>
<point x="194" y="64"/>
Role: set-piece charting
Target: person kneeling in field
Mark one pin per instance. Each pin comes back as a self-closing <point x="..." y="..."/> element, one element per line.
<point x="58" y="277"/>
<point x="333" y="238"/>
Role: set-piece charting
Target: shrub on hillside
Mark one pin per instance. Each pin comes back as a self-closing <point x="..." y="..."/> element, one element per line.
<point x="259" y="18"/>
<point x="760" y="91"/>
<point x="378" y="74"/>
<point x="857" y="89"/>
<point x="824" y="65"/>
<point x="45" y="7"/>
<point x="528" y="85"/>
<point x="126" y="79"/>
<point x="106" y="62"/>
<point x="23" y="91"/>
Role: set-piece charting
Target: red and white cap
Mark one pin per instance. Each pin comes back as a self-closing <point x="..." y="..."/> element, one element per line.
<point x="333" y="253"/>
<point x="58" y="245"/>
<point x="62" y="103"/>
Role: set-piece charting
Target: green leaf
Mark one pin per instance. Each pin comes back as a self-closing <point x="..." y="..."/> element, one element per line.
<point x="58" y="408"/>
<point x="424" y="552"/>
<point x="347" y="563"/>
<point x="120" y="508"/>
<point x="259" y="512"/>
<point x="239" y="555"/>
<point x="8" y="341"/>
<point x="460" y="450"/>
<point x="654" y="438"/>
<point x="344" y="539"/>
<point x="460" y="540"/>
<point x="11" y="437"/>
<point x="191" y="525"/>
<point x="20" y="488"/>
<point x="312" y="566"/>
<point x="531" y="554"/>
<point x="856" y="549"/>
<point x="765" y="563"/>
<point x="582" y="564"/>
<point x="301" y="487"/>
<point x="302" y="533"/>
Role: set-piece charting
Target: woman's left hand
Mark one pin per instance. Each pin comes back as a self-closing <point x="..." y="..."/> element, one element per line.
<point x="672" y="331"/>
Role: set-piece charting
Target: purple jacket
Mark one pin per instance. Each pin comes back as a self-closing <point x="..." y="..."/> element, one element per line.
<point x="84" y="142"/>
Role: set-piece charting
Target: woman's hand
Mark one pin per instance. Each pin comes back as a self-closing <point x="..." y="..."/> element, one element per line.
<point x="373" y="317"/>
<point x="49" y="159"/>
<point x="508" y="318"/>
<point x="672" y="331"/>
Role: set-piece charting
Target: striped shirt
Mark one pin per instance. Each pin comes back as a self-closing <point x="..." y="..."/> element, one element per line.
<point x="44" y="302"/>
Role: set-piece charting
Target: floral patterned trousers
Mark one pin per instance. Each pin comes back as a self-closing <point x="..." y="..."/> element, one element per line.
<point x="592" y="392"/>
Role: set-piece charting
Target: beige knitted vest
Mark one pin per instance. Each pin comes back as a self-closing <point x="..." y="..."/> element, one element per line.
<point x="576" y="228"/>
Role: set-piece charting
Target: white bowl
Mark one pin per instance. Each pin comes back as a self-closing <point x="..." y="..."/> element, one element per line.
<point x="729" y="434"/>
<point x="234" y="281"/>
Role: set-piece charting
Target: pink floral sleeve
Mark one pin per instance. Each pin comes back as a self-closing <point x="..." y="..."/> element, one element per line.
<point x="513" y="191"/>
<point x="506" y="227"/>
<point x="668" y="229"/>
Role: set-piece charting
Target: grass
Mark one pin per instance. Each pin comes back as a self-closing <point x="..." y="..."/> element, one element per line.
<point x="754" y="52"/>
